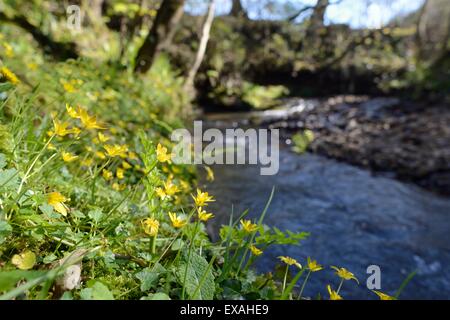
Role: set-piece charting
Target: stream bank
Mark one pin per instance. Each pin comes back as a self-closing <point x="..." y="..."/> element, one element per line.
<point x="405" y="140"/>
<point x="356" y="217"/>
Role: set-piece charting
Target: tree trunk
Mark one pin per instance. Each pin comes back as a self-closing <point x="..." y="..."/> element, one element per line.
<point x="161" y="33"/>
<point x="93" y="10"/>
<point x="433" y="30"/>
<point x="202" y="46"/>
<point x="237" y="10"/>
<point x="317" y="19"/>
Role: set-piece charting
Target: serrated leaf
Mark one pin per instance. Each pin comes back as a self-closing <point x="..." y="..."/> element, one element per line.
<point x="199" y="278"/>
<point x="148" y="279"/>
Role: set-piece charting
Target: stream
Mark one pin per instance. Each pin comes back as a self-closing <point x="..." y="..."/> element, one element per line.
<point x="355" y="218"/>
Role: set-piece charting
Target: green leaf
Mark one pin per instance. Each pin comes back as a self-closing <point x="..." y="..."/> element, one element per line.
<point x="8" y="279"/>
<point x="96" y="291"/>
<point x="95" y="215"/>
<point x="78" y="214"/>
<point x="158" y="296"/>
<point x="148" y="279"/>
<point x="198" y="274"/>
<point x="5" y="230"/>
<point x="86" y="294"/>
<point x="177" y="245"/>
<point x="50" y="258"/>
<point x="67" y="296"/>
<point x="2" y="161"/>
<point x="9" y="179"/>
<point x="101" y="292"/>
<point x="46" y="209"/>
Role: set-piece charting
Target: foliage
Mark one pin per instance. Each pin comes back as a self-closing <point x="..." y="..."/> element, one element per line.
<point x="302" y="140"/>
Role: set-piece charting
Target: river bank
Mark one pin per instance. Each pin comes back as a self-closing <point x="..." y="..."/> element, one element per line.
<point x="405" y="140"/>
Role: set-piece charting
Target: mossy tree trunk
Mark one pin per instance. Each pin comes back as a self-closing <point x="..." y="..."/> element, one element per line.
<point x="160" y="35"/>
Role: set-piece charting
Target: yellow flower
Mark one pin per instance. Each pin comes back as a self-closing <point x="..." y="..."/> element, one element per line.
<point x="209" y="174"/>
<point x="333" y="294"/>
<point x="25" y="260"/>
<point x="61" y="128"/>
<point x="116" y="150"/>
<point x="102" y="138"/>
<point x="177" y="222"/>
<point x="313" y="266"/>
<point x="107" y="174"/>
<point x="383" y="296"/>
<point x="120" y="173"/>
<point x="170" y="188"/>
<point x="100" y="155"/>
<point x="56" y="200"/>
<point x="132" y="155"/>
<point x="90" y="122"/>
<point x="248" y="226"/>
<point x="118" y="187"/>
<point x="161" y="193"/>
<point x="255" y="251"/>
<point x="185" y="185"/>
<point x="87" y="162"/>
<point x="51" y="146"/>
<point x="126" y="165"/>
<point x="203" y="215"/>
<point x="344" y="274"/>
<point x="202" y="198"/>
<point x="9" y="75"/>
<point x="71" y="111"/>
<point x="162" y="155"/>
<point x="9" y="52"/>
<point x="68" y="157"/>
<point x="76" y="131"/>
<point x="150" y="226"/>
<point x="32" y="66"/>
<point x="68" y="87"/>
<point x="290" y="261"/>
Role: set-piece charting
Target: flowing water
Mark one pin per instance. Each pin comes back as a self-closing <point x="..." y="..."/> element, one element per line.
<point x="356" y="219"/>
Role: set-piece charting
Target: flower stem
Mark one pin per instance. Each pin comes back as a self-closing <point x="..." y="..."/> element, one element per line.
<point x="284" y="280"/>
<point x="188" y="260"/>
<point x="340" y="286"/>
<point x="304" y="284"/>
<point x="153" y="245"/>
